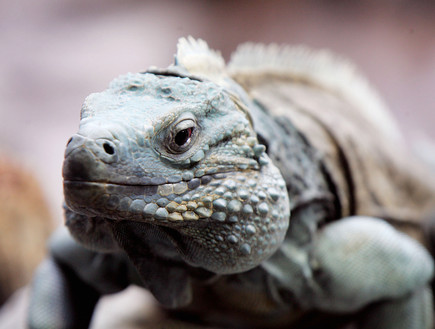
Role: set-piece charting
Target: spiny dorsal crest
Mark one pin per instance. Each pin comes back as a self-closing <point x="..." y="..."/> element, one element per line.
<point x="197" y="58"/>
<point x="321" y="68"/>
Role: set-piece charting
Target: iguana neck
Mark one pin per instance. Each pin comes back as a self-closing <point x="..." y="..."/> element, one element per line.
<point x="301" y="165"/>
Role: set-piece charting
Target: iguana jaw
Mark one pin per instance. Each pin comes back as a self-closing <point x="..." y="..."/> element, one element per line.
<point x="165" y="203"/>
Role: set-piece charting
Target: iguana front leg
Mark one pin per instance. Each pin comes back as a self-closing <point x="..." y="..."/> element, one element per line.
<point x="60" y="299"/>
<point x="360" y="261"/>
<point x="68" y="284"/>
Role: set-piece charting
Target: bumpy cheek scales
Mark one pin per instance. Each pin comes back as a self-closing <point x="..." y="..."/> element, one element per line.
<point x="213" y="196"/>
<point x="242" y="203"/>
<point x="247" y="216"/>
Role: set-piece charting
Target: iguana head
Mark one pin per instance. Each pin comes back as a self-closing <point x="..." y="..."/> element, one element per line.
<point x="178" y="151"/>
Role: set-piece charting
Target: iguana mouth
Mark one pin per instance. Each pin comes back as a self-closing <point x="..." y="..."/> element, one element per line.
<point x="110" y="187"/>
<point x="151" y="186"/>
<point x="142" y="202"/>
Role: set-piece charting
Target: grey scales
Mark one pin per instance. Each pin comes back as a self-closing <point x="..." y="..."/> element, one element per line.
<point x="275" y="191"/>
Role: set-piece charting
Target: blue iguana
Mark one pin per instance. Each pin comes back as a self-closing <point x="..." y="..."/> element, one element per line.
<point x="272" y="192"/>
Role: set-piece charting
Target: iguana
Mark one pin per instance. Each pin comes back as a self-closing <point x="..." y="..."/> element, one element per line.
<point x="272" y="192"/>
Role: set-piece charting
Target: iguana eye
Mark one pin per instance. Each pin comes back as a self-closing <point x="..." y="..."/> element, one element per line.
<point x="182" y="136"/>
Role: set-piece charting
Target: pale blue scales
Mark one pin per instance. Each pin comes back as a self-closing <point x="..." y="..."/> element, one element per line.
<point x="247" y="209"/>
<point x="219" y="216"/>
<point x="220" y="204"/>
<point x="234" y="206"/>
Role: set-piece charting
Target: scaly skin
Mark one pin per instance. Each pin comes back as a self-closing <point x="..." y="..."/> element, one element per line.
<point x="180" y="181"/>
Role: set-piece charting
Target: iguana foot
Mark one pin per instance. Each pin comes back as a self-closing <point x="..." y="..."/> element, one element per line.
<point x="361" y="261"/>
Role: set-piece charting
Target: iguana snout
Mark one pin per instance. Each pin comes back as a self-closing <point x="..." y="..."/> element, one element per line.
<point x="86" y="158"/>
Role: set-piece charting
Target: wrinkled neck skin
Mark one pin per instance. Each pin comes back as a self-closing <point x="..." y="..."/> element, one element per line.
<point x="218" y="203"/>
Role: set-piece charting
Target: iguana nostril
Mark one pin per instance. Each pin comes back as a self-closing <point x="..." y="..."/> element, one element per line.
<point x="69" y="141"/>
<point x="108" y="148"/>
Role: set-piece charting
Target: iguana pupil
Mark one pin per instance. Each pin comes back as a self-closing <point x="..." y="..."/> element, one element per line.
<point x="183" y="136"/>
<point x="108" y="148"/>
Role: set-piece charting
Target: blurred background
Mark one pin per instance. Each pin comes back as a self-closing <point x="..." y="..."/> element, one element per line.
<point x="54" y="53"/>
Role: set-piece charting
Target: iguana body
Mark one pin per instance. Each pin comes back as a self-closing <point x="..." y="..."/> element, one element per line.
<point x="182" y="180"/>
